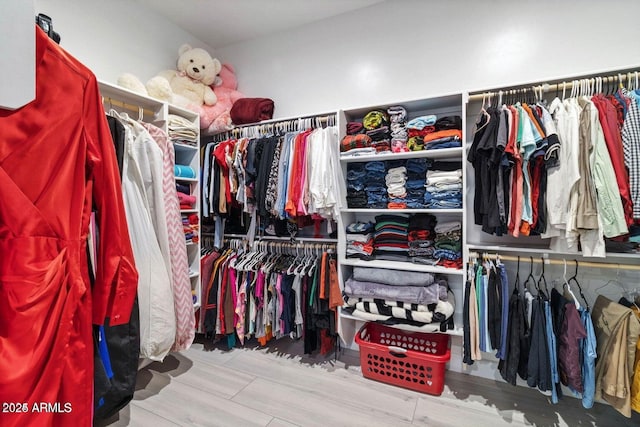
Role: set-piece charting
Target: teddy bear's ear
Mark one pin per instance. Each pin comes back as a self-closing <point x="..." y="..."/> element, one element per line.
<point x="184" y="48"/>
<point x="217" y="65"/>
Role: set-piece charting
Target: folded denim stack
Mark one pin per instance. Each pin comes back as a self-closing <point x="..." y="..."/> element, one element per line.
<point x="398" y="119"/>
<point x="391" y="237"/>
<point x="448" y="244"/>
<point x="444" y="189"/>
<point x="415" y="186"/>
<point x="376" y="125"/>
<point x="359" y="238"/>
<point x="375" y="186"/>
<point x="395" y="180"/>
<point x="356" y="194"/>
<point x="417" y="129"/>
<point x="421" y="238"/>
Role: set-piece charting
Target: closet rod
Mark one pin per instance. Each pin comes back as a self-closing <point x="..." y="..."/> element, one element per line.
<point x="537" y="260"/>
<point x="111" y="102"/>
<point x="619" y="78"/>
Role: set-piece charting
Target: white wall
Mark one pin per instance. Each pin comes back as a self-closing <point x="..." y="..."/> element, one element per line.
<point x="408" y="49"/>
<point x="116" y="36"/>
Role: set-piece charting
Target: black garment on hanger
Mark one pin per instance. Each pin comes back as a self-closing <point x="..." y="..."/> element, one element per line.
<point x="494" y="308"/>
<point x="516" y="326"/>
<point x="123" y="341"/>
<point x="539" y="366"/>
<point x="466" y="326"/>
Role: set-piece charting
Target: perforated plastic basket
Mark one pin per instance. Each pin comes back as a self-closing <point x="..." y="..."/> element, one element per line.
<point x="413" y="360"/>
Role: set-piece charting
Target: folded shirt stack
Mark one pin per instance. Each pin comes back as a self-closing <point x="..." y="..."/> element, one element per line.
<point x="448" y="244"/>
<point x="390" y="237"/>
<point x="398" y="126"/>
<point x="190" y="225"/>
<point x="376" y="125"/>
<point x="186" y="201"/>
<point x="417" y="129"/>
<point x="356" y="196"/>
<point x="443" y="189"/>
<point x="359" y="237"/>
<point x="395" y="181"/>
<point x="182" y="130"/>
<point x="443" y="139"/>
<point x="421" y="238"/>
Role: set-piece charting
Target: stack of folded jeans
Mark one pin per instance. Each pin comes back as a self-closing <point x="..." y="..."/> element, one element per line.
<point x="444" y="189"/>
<point x="398" y="119"/>
<point x="360" y="240"/>
<point x="415" y="186"/>
<point x="417" y="129"/>
<point x="395" y="181"/>
<point x="448" y="244"/>
<point x="421" y="238"/>
<point x="356" y="194"/>
<point x="391" y="237"/>
<point x="375" y="186"/>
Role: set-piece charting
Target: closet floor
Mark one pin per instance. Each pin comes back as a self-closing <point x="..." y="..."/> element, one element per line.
<point x="208" y="385"/>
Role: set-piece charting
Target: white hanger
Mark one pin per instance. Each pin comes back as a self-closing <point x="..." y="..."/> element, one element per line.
<point x="566" y="283"/>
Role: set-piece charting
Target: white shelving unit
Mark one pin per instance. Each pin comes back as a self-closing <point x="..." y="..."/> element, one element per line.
<point x="447" y="105"/>
<point x="150" y="110"/>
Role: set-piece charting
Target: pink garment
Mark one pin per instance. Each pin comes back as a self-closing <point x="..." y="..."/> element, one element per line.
<point x="304" y="182"/>
<point x="185" y="199"/>
<point x="182" y="298"/>
<point x="241" y="305"/>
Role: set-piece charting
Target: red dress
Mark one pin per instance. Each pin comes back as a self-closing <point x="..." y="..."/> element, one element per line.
<point x="57" y="161"/>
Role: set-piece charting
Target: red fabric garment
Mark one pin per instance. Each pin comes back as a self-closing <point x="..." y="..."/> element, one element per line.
<point x="220" y="153"/>
<point x="536" y="167"/>
<point x="515" y="212"/>
<point x="609" y="121"/>
<point x="57" y="161"/>
<point x="251" y="110"/>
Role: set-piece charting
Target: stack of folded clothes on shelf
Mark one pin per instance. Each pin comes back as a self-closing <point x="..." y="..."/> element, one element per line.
<point x="375" y="187"/>
<point x="415" y="185"/>
<point x="355" y="142"/>
<point x="182" y="130"/>
<point x="400" y="297"/>
<point x="390" y="237"/>
<point x="417" y="129"/>
<point x="395" y="181"/>
<point x="448" y="134"/>
<point x="356" y="178"/>
<point x="421" y="238"/>
<point x="186" y="201"/>
<point x="398" y="126"/>
<point x="376" y="124"/>
<point x="448" y="244"/>
<point x="190" y="225"/>
<point x="359" y="238"/>
<point x="444" y="186"/>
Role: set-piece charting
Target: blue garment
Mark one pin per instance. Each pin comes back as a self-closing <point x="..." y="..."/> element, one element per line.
<point x="553" y="355"/>
<point x="438" y="145"/>
<point x="588" y="351"/>
<point x="354" y="174"/>
<point x="375" y="166"/>
<point x="283" y="183"/>
<point x="485" y="330"/>
<point x="417" y="166"/>
<point x="454" y="195"/>
<point x="444" y="204"/>
<point x="504" y="296"/>
<point x="412" y="184"/>
<point x="420" y="122"/>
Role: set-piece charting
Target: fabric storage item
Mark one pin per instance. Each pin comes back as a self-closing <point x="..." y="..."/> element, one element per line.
<point x="182" y="171"/>
<point x="413" y="360"/>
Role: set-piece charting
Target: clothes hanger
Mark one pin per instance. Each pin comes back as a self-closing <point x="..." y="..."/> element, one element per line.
<point x="543" y="280"/>
<point x="530" y="277"/>
<point x="575" y="280"/>
<point x="566" y="284"/>
<point x="517" y="281"/>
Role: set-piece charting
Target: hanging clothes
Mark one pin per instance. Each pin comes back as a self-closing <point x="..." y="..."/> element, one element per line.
<point x="44" y="233"/>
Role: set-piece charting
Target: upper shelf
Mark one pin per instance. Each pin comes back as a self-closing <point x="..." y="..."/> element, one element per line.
<point x="399" y="265"/>
<point x="443" y="153"/>
<point x="611" y="256"/>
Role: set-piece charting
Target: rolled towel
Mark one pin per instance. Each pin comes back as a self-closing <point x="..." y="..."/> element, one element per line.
<point x="251" y="110"/>
<point x="354" y="128"/>
<point x="186" y="199"/>
<point x="422" y="121"/>
<point x="183" y="171"/>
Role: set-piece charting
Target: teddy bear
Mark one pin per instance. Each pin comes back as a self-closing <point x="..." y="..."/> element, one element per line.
<point x="217" y="117"/>
<point x="189" y="86"/>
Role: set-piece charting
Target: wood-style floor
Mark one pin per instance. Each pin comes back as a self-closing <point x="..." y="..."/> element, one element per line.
<point x="278" y="387"/>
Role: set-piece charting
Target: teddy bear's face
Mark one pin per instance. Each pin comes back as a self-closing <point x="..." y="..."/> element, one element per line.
<point x="199" y="65"/>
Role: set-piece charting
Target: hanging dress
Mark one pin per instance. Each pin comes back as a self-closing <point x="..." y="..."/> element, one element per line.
<point x="57" y="161"/>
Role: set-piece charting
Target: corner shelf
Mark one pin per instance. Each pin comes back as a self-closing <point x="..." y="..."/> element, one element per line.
<point x="408" y="210"/>
<point x="443" y="153"/>
<point x="401" y="265"/>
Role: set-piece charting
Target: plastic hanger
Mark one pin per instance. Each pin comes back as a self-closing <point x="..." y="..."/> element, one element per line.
<point x="530" y="277"/>
<point x="575" y="280"/>
<point x="542" y="280"/>
<point x="517" y="281"/>
<point x="568" y="286"/>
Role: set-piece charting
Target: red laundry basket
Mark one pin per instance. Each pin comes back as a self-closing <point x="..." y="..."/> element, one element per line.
<point x="413" y="360"/>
